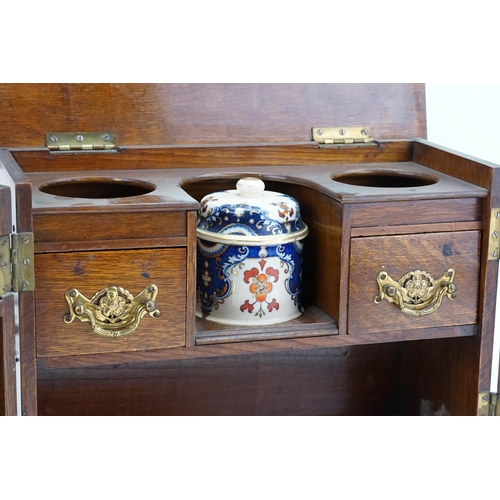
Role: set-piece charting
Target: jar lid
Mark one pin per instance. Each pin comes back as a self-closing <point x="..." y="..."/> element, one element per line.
<point x="249" y="214"/>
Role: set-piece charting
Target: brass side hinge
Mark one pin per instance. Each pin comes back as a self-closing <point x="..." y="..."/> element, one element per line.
<point x="487" y="405"/>
<point x="494" y="239"/>
<point x="64" y="142"/>
<point x="17" y="266"/>
<point x="343" y="136"/>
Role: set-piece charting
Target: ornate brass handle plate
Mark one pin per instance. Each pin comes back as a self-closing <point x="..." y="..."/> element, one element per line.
<point x="112" y="311"/>
<point x="416" y="293"/>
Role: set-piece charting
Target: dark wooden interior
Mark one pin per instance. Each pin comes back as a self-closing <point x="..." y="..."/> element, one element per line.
<point x="310" y="382"/>
<point x="191" y="140"/>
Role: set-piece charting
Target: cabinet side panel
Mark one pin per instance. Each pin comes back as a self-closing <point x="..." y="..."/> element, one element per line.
<point x="8" y="403"/>
<point x="440" y="377"/>
<point x="323" y="274"/>
<point x="486" y="175"/>
<point x="26" y="301"/>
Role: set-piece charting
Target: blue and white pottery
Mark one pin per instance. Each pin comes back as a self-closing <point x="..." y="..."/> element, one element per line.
<point x="249" y="261"/>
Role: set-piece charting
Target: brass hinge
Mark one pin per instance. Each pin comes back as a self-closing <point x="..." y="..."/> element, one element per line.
<point x="494" y="239"/>
<point x="72" y="142"/>
<point x="487" y="405"/>
<point x="17" y="266"/>
<point x="343" y="136"/>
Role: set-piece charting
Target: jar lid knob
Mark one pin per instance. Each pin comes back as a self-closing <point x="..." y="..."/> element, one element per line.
<point x="250" y="187"/>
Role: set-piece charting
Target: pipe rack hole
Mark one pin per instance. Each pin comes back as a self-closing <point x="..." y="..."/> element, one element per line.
<point x="93" y="188"/>
<point x="383" y="179"/>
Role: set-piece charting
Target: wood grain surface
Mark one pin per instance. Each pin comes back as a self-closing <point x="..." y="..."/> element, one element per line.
<point x="5" y="211"/>
<point x="8" y="396"/>
<point x="441" y="377"/>
<point x="7" y="349"/>
<point x="208" y="113"/>
<point x="487" y="175"/>
<point x="225" y="130"/>
<point x="342" y="381"/>
<point x="100" y="228"/>
<point x="26" y="300"/>
<point x="412" y="212"/>
<point x="433" y="253"/>
<point x="234" y="156"/>
<point x="90" y="272"/>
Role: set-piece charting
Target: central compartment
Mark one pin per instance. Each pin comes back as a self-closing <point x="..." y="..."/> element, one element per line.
<point x="315" y="320"/>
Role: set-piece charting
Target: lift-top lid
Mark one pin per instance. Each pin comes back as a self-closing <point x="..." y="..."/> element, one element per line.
<point x="198" y="113"/>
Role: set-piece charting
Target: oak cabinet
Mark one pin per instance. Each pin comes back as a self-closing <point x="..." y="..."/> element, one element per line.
<point x="399" y="267"/>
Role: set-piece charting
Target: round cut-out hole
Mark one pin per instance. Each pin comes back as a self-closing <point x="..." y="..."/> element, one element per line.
<point x="383" y="179"/>
<point x="94" y="188"/>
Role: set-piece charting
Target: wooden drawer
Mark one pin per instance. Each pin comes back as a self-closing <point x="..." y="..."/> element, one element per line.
<point x="90" y="272"/>
<point x="396" y="256"/>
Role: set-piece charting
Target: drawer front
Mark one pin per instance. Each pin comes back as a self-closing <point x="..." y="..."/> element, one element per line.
<point x="60" y="227"/>
<point x="95" y="274"/>
<point x="396" y="260"/>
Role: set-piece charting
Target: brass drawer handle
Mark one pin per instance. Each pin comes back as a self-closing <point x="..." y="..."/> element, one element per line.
<point x="416" y="293"/>
<point x="112" y="311"/>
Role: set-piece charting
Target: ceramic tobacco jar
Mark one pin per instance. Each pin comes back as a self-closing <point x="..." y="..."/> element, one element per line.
<point x="249" y="260"/>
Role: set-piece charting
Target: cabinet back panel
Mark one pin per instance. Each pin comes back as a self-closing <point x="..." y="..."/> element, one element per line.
<point x="363" y="380"/>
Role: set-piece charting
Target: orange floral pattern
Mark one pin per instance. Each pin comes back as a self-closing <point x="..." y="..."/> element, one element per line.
<point x="261" y="285"/>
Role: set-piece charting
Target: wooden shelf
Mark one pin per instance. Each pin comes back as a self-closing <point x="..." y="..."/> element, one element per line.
<point x="250" y="347"/>
<point x="313" y="323"/>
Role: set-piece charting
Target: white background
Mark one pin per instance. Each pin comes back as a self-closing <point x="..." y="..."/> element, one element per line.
<point x="262" y="41"/>
<point x="464" y="117"/>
